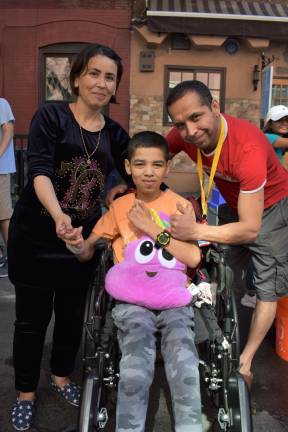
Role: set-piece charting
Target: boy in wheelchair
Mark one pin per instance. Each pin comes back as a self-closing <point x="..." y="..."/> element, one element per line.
<point x="149" y="284"/>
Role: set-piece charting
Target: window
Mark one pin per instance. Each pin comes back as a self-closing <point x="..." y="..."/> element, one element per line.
<point x="212" y="77"/>
<point x="279" y="92"/>
<point x="55" y="65"/>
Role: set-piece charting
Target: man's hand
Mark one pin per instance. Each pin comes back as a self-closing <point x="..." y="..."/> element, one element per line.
<point x="116" y="190"/>
<point x="183" y="223"/>
<point x="139" y="215"/>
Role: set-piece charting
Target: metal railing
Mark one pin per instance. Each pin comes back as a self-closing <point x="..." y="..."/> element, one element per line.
<point x="19" y="178"/>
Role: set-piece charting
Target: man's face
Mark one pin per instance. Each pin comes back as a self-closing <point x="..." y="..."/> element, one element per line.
<point x="198" y="124"/>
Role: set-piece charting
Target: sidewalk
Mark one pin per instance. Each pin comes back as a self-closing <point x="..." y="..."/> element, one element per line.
<point x="269" y="392"/>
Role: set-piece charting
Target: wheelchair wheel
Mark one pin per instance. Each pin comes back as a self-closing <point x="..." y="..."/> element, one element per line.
<point x="239" y="417"/>
<point x="94" y="406"/>
<point x="226" y="311"/>
<point x="88" y="412"/>
<point x="94" y="315"/>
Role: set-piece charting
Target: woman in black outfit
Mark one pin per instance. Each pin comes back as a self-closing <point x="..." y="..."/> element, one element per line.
<point x="72" y="148"/>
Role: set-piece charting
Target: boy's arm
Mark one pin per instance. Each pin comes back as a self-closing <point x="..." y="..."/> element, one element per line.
<point x="187" y="253"/>
<point x="83" y="249"/>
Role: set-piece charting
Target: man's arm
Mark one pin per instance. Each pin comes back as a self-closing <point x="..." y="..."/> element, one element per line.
<point x="188" y="253"/>
<point x="250" y="210"/>
<point x="7" y="135"/>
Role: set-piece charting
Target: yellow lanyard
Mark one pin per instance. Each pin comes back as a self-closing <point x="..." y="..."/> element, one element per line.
<point x="205" y="196"/>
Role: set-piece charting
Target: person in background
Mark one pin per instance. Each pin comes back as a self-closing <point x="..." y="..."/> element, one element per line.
<point x="72" y="148"/>
<point x="253" y="182"/>
<point x="7" y="167"/>
<point x="147" y="256"/>
<point x="276" y="130"/>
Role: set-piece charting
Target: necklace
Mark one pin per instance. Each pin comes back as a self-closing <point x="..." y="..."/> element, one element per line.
<point x="88" y="156"/>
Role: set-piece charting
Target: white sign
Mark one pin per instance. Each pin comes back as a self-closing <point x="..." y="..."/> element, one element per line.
<point x="266" y="90"/>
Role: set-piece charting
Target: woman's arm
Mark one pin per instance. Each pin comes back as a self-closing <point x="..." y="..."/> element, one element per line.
<point x="46" y="194"/>
<point x="187" y="253"/>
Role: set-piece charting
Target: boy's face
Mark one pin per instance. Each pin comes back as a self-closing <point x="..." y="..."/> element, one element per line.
<point x="148" y="168"/>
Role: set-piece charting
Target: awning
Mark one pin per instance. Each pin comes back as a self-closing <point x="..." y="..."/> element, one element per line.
<point x="219" y="17"/>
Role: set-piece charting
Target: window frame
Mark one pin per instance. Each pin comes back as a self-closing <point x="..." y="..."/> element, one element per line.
<point x="194" y="69"/>
<point x="55" y="50"/>
<point x="279" y="80"/>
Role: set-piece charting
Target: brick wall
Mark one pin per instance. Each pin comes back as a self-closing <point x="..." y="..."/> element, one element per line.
<point x="25" y="31"/>
<point x="58" y="4"/>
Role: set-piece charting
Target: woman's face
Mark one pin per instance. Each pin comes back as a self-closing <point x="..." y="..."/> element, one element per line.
<point x="281" y="126"/>
<point x="97" y="83"/>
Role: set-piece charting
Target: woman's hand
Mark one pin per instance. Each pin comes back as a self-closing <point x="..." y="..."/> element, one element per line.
<point x="63" y="225"/>
<point x="116" y="190"/>
<point x="140" y="216"/>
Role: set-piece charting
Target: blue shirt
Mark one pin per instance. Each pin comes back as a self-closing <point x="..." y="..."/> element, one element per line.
<point x="272" y="138"/>
<point x="7" y="160"/>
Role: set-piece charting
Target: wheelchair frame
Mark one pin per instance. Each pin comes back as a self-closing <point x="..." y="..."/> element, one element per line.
<point x="218" y="351"/>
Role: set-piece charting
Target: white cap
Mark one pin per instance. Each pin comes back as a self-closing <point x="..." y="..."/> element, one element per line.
<point x="277" y="112"/>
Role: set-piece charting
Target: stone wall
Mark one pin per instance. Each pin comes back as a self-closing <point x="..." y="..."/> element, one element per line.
<point x="243" y="108"/>
<point x="146" y="113"/>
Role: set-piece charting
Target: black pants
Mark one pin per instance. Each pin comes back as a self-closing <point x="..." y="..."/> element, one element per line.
<point x="34" y="307"/>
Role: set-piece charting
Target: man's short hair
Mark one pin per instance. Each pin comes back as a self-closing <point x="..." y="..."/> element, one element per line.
<point x="185" y="87"/>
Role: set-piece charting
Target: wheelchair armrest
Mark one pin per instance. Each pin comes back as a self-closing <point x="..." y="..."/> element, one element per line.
<point x="206" y="325"/>
<point x="101" y="245"/>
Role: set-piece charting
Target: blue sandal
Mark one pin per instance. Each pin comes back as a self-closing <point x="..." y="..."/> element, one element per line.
<point x="70" y="392"/>
<point x="22" y="414"/>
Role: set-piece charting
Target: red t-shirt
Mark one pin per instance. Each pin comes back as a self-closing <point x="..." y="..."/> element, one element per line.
<point x="247" y="162"/>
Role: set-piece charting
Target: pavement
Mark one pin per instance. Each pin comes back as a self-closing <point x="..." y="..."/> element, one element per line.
<point x="269" y="392"/>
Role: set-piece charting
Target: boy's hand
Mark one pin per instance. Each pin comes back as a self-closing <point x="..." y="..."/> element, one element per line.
<point x="140" y="216"/>
<point x="74" y="237"/>
<point x="75" y="241"/>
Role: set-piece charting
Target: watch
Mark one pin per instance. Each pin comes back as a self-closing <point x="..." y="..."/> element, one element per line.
<point x="162" y="239"/>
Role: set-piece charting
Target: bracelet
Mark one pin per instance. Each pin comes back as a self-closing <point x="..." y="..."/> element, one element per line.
<point x="75" y="250"/>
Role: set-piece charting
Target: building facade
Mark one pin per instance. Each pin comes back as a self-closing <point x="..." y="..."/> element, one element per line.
<point x="225" y="44"/>
<point x="38" y="40"/>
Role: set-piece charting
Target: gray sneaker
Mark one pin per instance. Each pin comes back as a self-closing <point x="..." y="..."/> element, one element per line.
<point x="4" y="270"/>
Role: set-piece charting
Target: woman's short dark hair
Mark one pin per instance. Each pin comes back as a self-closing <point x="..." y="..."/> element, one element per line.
<point x="147" y="139"/>
<point x="184" y="87"/>
<point x="81" y="62"/>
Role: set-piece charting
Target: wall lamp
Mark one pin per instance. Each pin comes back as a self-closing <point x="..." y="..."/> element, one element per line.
<point x="256" y="77"/>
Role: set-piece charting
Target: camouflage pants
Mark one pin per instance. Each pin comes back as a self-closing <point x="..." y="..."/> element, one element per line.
<point x="136" y="335"/>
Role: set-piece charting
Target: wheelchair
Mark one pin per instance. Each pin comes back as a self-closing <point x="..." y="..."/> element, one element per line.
<point x="216" y="336"/>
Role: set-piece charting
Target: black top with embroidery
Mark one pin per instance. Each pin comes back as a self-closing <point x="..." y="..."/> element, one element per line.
<point x="55" y="150"/>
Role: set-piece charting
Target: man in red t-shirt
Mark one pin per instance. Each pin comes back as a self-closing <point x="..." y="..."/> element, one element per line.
<point x="252" y="181"/>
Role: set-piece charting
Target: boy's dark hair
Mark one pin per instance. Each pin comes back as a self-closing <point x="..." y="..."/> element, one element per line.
<point x="184" y="87"/>
<point x="81" y="62"/>
<point x="147" y="139"/>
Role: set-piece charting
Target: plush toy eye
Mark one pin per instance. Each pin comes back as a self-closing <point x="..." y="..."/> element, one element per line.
<point x="144" y="252"/>
<point x="166" y="259"/>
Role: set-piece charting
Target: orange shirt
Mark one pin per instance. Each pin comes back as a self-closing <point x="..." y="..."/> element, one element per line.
<point x="115" y="225"/>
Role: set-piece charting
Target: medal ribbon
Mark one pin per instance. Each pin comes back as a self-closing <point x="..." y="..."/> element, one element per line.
<point x="206" y="195"/>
